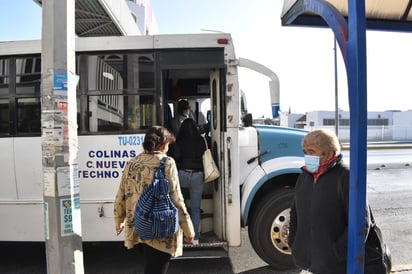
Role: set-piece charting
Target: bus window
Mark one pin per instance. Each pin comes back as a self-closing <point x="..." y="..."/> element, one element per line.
<point x="4" y="75"/>
<point x="147" y="111"/>
<point x="28" y="115"/>
<point x="118" y="71"/>
<point x="214" y="103"/>
<point x="146" y="71"/>
<point x="120" y="92"/>
<point x="4" y="90"/>
<point x="28" y="75"/>
<point x="141" y="112"/>
<point x="106" y="113"/>
<point x="110" y="113"/>
<point x="4" y="116"/>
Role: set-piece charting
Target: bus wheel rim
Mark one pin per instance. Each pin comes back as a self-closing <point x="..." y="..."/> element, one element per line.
<point x="279" y="232"/>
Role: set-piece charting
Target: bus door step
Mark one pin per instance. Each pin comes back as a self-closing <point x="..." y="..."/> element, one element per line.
<point x="207" y="250"/>
<point x="205" y="245"/>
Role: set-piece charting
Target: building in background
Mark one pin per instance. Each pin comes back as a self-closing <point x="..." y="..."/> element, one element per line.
<point x="144" y="17"/>
<point x="390" y="125"/>
<point x="113" y="18"/>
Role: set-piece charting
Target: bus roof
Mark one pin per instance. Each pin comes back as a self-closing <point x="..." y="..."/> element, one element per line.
<point x="204" y="40"/>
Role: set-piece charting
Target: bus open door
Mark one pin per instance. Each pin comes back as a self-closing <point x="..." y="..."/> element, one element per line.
<point x="216" y="130"/>
<point x="224" y="147"/>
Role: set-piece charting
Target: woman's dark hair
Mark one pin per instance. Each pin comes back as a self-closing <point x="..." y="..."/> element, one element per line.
<point x="156" y="137"/>
<point x="188" y="129"/>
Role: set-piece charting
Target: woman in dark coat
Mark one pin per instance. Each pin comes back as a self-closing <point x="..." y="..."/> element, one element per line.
<point x="188" y="152"/>
<point x="318" y="231"/>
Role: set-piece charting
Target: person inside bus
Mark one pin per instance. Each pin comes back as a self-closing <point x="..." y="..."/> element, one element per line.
<point x="188" y="152"/>
<point x="183" y="112"/>
<point x="247" y="120"/>
<point x="138" y="173"/>
<point x="318" y="229"/>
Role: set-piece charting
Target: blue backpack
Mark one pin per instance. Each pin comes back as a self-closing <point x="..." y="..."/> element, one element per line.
<point x="156" y="216"/>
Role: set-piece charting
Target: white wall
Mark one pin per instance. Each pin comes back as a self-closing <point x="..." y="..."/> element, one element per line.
<point x="402" y="126"/>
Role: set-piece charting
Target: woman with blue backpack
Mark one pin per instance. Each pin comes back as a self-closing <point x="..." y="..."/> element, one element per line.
<point x="138" y="174"/>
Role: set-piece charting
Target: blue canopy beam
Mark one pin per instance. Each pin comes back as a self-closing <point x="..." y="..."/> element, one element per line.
<point x="356" y="72"/>
<point x="328" y="13"/>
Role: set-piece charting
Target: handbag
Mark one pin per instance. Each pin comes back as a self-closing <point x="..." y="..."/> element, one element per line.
<point x="210" y="169"/>
<point x="378" y="259"/>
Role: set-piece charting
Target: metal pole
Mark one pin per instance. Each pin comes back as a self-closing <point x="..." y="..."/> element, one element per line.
<point x="358" y="135"/>
<point x="61" y="192"/>
<point x="336" y="87"/>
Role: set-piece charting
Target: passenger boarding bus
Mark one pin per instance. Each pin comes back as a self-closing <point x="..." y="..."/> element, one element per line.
<point x="126" y="85"/>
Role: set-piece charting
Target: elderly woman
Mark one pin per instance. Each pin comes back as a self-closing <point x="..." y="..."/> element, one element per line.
<point x="319" y="212"/>
<point x="139" y="173"/>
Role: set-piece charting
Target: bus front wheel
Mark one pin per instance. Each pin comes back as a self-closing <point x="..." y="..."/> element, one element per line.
<point x="268" y="229"/>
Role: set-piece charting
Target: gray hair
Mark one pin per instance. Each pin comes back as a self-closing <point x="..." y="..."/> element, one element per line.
<point x="325" y="140"/>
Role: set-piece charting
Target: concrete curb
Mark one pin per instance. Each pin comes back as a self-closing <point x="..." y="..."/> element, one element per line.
<point x="389" y="166"/>
<point x="406" y="268"/>
<point x="383" y="146"/>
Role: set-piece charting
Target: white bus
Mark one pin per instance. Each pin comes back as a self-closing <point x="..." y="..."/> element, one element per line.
<point x="127" y="84"/>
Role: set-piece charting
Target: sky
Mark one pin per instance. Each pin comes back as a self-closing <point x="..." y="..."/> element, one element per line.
<point x="302" y="58"/>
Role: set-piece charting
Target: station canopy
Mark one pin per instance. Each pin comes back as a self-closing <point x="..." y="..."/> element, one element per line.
<point x="382" y="15"/>
<point x="102" y="18"/>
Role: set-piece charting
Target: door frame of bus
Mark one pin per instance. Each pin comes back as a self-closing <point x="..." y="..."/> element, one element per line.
<point x="353" y="49"/>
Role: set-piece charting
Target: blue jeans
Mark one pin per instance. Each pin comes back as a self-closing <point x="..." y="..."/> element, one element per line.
<point x="193" y="181"/>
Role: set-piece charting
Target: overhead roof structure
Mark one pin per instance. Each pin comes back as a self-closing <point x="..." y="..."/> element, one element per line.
<point x="384" y="15"/>
<point x="103" y="18"/>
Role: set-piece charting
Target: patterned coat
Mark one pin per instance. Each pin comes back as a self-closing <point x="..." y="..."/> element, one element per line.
<point x="139" y="173"/>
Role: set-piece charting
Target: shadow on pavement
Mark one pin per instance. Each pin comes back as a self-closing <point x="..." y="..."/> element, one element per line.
<point x="105" y="258"/>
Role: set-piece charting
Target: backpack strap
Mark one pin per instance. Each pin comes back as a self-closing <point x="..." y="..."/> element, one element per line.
<point x="160" y="183"/>
<point x="160" y="171"/>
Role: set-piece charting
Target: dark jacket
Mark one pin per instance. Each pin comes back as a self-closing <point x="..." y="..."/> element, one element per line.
<point x="188" y="153"/>
<point x="318" y="220"/>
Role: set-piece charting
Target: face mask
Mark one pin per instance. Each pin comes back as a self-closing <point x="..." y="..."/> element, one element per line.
<point x="312" y="163"/>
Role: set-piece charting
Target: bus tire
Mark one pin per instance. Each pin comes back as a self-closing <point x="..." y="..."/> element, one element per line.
<point x="269" y="227"/>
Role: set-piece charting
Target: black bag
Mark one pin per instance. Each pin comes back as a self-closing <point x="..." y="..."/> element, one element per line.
<point x="155" y="215"/>
<point x="378" y="259"/>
